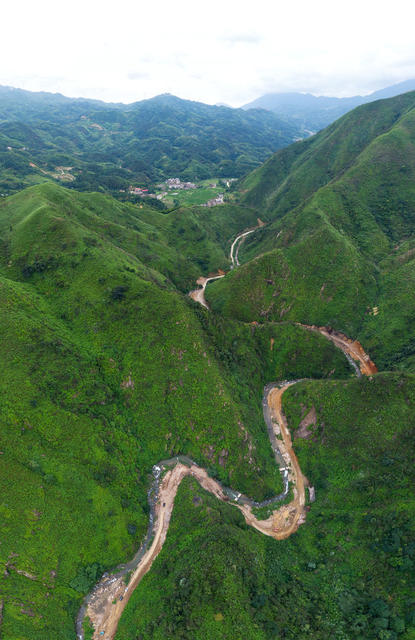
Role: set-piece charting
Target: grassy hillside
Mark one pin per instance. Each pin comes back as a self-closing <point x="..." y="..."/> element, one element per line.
<point x="182" y="244"/>
<point x="347" y="573"/>
<point x="341" y="217"/>
<point x="91" y="145"/>
<point x="292" y="175"/>
<point x="107" y="368"/>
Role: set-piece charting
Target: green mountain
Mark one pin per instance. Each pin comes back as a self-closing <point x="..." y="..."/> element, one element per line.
<point x="108" y="367"/>
<point x="91" y="145"/>
<point x="313" y="113"/>
<point x="338" y="249"/>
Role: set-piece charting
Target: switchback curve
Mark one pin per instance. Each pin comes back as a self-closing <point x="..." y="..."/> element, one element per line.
<point x="105" y="604"/>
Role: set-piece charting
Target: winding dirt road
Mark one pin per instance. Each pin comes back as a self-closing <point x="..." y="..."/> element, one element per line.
<point x="106" y="603"/>
<point x="350" y="347"/>
<point x="238" y="241"/>
<point x="198" y="295"/>
<point x="110" y="598"/>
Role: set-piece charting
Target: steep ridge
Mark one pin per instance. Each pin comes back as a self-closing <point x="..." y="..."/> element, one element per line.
<point x="292" y="175"/>
<point x="340" y="207"/>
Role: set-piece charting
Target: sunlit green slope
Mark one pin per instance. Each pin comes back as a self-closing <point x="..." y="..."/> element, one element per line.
<point x="107" y="368"/>
<point x="338" y="247"/>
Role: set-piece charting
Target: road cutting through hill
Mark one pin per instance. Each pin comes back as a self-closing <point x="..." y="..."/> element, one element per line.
<point x="238" y="241"/>
<point x="110" y="597"/>
<point x="107" y="601"/>
<point x="350" y="347"/>
<point x="198" y="295"/>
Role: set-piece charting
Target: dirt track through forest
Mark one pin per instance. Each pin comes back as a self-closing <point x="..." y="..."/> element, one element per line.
<point x="106" y="603"/>
<point x="109" y="600"/>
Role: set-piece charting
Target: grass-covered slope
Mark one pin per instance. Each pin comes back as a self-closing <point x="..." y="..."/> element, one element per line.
<point x="348" y="573"/>
<point x="46" y="225"/>
<point x="341" y="221"/>
<point x="107" y="367"/>
<point x="291" y="175"/>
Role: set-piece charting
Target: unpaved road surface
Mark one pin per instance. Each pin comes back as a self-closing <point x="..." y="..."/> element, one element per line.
<point x="238" y="241"/>
<point x="350" y="347"/>
<point x="198" y="295"/>
<point x="108" y="601"/>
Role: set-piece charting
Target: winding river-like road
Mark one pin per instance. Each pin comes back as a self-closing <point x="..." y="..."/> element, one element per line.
<point x="105" y="604"/>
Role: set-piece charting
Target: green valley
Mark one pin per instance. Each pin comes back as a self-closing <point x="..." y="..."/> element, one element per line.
<point x="109" y="367"/>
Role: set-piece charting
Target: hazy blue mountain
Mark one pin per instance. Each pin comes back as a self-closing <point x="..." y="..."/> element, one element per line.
<point x="313" y="113"/>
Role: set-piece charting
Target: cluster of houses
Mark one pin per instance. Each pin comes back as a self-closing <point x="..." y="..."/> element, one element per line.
<point x="172" y="183"/>
<point x="176" y="183"/>
<point x="214" y="201"/>
<point x="138" y="191"/>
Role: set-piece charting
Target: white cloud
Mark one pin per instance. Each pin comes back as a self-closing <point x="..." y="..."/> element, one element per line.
<point x="221" y="51"/>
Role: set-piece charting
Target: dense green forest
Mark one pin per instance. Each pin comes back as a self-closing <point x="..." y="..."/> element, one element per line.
<point x="108" y="366"/>
<point x="90" y="145"/>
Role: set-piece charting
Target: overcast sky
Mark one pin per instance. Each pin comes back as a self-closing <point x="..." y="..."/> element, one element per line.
<point x="217" y="51"/>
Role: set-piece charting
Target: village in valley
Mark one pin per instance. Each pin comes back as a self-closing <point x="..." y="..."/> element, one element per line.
<point x="174" y="191"/>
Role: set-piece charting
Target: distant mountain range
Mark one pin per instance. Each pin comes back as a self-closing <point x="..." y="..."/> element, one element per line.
<point x="312" y="113"/>
<point x="93" y="145"/>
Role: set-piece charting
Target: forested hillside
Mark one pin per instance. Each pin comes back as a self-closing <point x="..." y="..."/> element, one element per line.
<point x="91" y="145"/>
